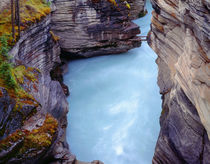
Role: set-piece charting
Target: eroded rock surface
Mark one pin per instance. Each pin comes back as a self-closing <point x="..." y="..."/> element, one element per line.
<point x="93" y="27"/>
<point x="37" y="47"/>
<point x="180" y="34"/>
<point x="137" y="8"/>
<point x="35" y="126"/>
<point x="32" y="129"/>
<point x="3" y="3"/>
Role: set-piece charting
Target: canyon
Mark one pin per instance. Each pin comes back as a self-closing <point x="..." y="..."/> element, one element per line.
<point x="35" y="125"/>
<point x="111" y="120"/>
<point x="179" y="34"/>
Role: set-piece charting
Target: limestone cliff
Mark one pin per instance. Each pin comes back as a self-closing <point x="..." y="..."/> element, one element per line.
<point x="180" y="35"/>
<point x="93" y="27"/>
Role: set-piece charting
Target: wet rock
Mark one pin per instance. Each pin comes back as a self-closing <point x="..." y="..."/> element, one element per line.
<point x="57" y="74"/>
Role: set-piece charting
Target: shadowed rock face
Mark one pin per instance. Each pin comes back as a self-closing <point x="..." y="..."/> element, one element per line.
<point x="93" y="27"/>
<point x="180" y="34"/>
<point x="137" y="8"/>
<point x="11" y="119"/>
<point x="18" y="122"/>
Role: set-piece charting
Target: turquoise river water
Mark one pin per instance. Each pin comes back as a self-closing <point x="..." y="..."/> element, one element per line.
<point x="115" y="105"/>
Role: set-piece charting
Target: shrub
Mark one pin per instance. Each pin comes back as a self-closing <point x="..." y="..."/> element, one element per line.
<point x="4" y="48"/>
<point x="6" y="74"/>
<point x="5" y="66"/>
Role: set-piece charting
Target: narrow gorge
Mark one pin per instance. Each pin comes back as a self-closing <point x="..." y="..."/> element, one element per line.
<point x="112" y="99"/>
<point x="94" y="51"/>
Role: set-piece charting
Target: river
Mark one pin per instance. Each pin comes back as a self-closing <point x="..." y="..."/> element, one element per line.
<point x="115" y="105"/>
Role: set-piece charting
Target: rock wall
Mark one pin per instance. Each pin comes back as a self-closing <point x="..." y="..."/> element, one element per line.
<point x="137" y="8"/>
<point x="3" y="3"/>
<point x="32" y="129"/>
<point x="180" y="35"/>
<point x="36" y="48"/>
<point x="93" y="27"/>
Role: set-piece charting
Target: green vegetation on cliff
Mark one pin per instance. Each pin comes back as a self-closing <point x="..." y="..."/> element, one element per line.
<point x="6" y="67"/>
<point x="11" y="77"/>
<point x="16" y="83"/>
<point x="26" y="143"/>
<point x="31" y="11"/>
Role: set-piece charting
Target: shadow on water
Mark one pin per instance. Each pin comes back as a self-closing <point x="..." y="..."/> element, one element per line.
<point x="115" y="105"/>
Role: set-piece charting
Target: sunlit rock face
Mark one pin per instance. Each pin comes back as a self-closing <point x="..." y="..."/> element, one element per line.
<point x="94" y="27"/>
<point x="180" y="33"/>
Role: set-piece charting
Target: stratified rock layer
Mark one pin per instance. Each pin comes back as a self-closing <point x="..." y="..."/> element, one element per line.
<point x="3" y="3"/>
<point x="180" y="35"/>
<point x="36" y="48"/>
<point x="93" y="27"/>
<point x="137" y="8"/>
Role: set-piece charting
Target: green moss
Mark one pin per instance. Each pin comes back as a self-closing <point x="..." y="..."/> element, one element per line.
<point x="12" y="77"/>
<point x="42" y="137"/>
<point x="37" y="139"/>
<point x="6" y="75"/>
<point x="2" y="130"/>
<point x="11" y="139"/>
<point x="22" y="72"/>
<point x="5" y="66"/>
<point x="142" y="14"/>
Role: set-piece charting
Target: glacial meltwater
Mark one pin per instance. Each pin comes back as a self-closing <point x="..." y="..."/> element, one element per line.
<point x="115" y="105"/>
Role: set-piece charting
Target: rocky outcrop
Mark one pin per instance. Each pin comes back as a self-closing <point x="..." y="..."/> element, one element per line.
<point x="93" y="27"/>
<point x="3" y="3"/>
<point x="137" y="8"/>
<point x="37" y="47"/>
<point x="32" y="128"/>
<point x="180" y="34"/>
